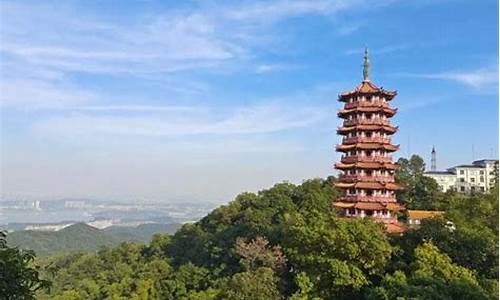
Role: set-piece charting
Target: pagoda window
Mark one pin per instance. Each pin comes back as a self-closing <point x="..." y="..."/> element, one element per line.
<point x="368" y="153"/>
<point x="369" y="116"/>
<point x="369" y="192"/>
<point x="368" y="134"/>
<point x="369" y="213"/>
<point x="352" y="211"/>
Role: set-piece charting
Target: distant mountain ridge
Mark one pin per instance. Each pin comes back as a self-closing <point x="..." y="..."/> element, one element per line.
<point x="83" y="237"/>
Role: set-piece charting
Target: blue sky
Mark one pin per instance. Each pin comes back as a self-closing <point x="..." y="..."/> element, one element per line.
<point x="201" y="100"/>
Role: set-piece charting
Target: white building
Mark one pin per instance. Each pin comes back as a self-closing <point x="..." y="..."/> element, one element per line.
<point x="480" y="176"/>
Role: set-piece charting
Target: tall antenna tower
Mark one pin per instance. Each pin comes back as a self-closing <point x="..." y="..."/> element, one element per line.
<point x="433" y="159"/>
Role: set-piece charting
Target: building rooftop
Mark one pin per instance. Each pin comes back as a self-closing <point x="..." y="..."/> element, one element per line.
<point x="482" y="161"/>
<point x="468" y="166"/>
<point x="424" y="214"/>
<point x="439" y="173"/>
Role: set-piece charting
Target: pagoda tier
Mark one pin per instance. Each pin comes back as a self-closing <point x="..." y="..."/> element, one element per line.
<point x="345" y="130"/>
<point x="367" y="182"/>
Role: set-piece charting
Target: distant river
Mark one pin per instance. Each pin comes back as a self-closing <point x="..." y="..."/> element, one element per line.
<point x="34" y="216"/>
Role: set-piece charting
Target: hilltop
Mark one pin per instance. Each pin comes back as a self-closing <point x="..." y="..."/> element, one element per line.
<point x="83" y="237"/>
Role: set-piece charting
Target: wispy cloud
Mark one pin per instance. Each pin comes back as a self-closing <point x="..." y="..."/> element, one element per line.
<point x="133" y="108"/>
<point x="381" y="50"/>
<point x="244" y="120"/>
<point x="269" y="68"/>
<point x="38" y="94"/>
<point x="478" y="79"/>
<point x="278" y="10"/>
<point x="347" y="29"/>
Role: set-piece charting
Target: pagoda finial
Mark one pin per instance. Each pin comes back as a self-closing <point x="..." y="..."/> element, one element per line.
<point x="366" y="66"/>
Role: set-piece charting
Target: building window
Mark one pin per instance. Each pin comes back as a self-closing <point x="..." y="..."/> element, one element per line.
<point x="481" y="172"/>
<point x="462" y="179"/>
<point x="482" y="189"/>
<point x="462" y="189"/>
<point x="473" y="180"/>
<point x="481" y="179"/>
<point x="472" y="189"/>
<point x="461" y="172"/>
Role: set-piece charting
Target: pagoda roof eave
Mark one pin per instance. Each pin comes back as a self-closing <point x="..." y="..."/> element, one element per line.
<point x="371" y="185"/>
<point x="369" y="205"/>
<point x="367" y="146"/>
<point x="386" y="128"/>
<point x="367" y="165"/>
<point x="367" y="87"/>
<point x="387" y="110"/>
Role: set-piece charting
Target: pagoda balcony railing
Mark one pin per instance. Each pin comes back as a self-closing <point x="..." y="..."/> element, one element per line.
<point x="363" y="139"/>
<point x="364" y="198"/>
<point x="355" y="104"/>
<point x="349" y="159"/>
<point x="359" y="177"/>
<point x="376" y="218"/>
<point x="364" y="121"/>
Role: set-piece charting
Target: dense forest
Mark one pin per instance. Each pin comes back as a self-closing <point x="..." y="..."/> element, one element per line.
<point x="286" y="242"/>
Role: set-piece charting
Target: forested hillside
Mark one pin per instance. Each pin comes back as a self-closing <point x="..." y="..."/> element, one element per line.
<point x="286" y="243"/>
<point x="82" y="237"/>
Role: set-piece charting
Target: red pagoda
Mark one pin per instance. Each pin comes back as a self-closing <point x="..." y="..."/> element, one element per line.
<point x="367" y="181"/>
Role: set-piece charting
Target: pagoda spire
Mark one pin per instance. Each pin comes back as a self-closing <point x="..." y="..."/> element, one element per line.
<point x="366" y="66"/>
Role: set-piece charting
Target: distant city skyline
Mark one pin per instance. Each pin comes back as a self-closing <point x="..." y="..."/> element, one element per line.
<point x="202" y="100"/>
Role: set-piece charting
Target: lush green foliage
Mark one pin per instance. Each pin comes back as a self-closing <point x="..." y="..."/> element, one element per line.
<point x="286" y="243"/>
<point x="420" y="192"/>
<point x="18" y="278"/>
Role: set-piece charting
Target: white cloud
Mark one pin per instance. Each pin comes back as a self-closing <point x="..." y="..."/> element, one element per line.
<point x="379" y="51"/>
<point x="172" y="122"/>
<point x="477" y="79"/>
<point x="39" y="94"/>
<point x="484" y="79"/>
<point x="269" y="68"/>
<point x="347" y="29"/>
<point x="277" y="10"/>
